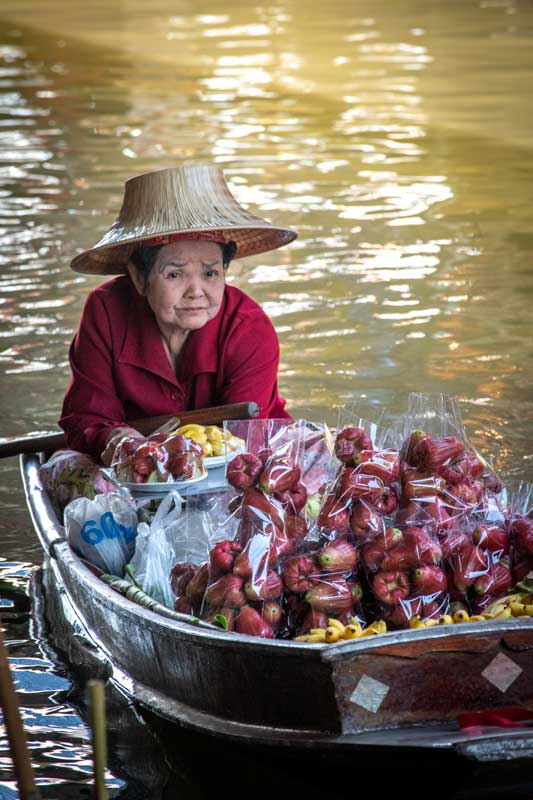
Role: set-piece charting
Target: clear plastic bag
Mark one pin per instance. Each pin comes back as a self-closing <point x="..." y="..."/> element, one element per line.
<point x="156" y="551"/>
<point x="103" y="530"/>
<point x="520" y="527"/>
<point x="162" y="457"/>
<point x="442" y="474"/>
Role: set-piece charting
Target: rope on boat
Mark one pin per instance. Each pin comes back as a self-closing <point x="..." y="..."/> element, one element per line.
<point x="136" y="595"/>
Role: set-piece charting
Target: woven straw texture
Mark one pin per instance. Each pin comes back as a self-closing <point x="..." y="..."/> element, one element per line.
<point x="189" y="198"/>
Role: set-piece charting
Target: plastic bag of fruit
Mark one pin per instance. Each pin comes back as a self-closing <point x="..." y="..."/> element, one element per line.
<point x="205" y="524"/>
<point x="319" y="585"/>
<point x="160" y="458"/>
<point x="364" y="488"/>
<point x="519" y="524"/>
<point x="440" y="468"/>
<point x="476" y="553"/>
<point x="405" y="574"/>
<point x="269" y="507"/>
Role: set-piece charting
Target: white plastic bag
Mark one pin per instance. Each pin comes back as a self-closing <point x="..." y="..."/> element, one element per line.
<point x="102" y="531"/>
<point x="155" y="550"/>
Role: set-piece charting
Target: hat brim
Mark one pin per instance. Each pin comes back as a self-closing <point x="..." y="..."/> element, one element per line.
<point x="113" y="258"/>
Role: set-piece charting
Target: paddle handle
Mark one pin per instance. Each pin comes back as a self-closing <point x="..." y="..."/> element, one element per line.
<point x="49" y="442"/>
<point x="15" y="729"/>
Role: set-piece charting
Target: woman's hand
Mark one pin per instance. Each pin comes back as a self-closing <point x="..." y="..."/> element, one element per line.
<point x="114" y="438"/>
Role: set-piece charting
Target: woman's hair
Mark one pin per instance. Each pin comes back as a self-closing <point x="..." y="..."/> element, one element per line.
<point x="144" y="258"/>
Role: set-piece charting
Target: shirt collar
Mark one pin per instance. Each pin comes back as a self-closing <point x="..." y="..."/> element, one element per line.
<point x="143" y="344"/>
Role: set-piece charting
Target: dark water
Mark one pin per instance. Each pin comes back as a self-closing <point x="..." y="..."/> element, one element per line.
<point x="395" y="137"/>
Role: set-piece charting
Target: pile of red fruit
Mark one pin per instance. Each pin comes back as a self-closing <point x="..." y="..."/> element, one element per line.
<point x="399" y="533"/>
<point x="160" y="458"/>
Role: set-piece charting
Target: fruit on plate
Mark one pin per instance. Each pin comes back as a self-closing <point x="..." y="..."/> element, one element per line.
<point x="214" y="440"/>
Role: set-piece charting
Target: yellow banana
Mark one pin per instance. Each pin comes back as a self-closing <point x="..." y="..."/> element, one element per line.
<point x="380" y="625"/>
<point x="445" y="619"/>
<point x="413" y="622"/>
<point x="369" y="632"/>
<point x="336" y="623"/>
<point x="517" y="609"/>
<point x="428" y="623"/>
<point x="312" y="637"/>
<point x="505" y="614"/>
<point x="502" y="602"/>
<point x="214" y="433"/>
<point x="191" y="428"/>
<point x="461" y="616"/>
<point x="332" y="635"/>
<point x="318" y="632"/>
<point x="477" y="618"/>
<point x="352" y="631"/>
<point x="529" y="610"/>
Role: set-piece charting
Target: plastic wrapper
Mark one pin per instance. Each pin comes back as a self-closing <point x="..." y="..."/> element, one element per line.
<point x="319" y="584"/>
<point x="156" y="551"/>
<point x="519" y="524"/>
<point x="160" y="458"/>
<point x="243" y="577"/>
<point x="442" y="474"/>
<point x="476" y="554"/>
<point x="68" y="475"/>
<point x="102" y="531"/>
<point x="205" y="524"/>
<point x="405" y="574"/>
<point x="365" y="487"/>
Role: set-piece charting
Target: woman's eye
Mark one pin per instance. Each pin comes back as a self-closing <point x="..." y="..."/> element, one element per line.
<point x="211" y="273"/>
<point x="173" y="275"/>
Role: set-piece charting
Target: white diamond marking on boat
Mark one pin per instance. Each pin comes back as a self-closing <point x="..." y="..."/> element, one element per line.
<point x="369" y="693"/>
<point x="502" y="672"/>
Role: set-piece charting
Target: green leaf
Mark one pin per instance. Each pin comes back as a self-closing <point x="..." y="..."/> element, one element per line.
<point x="221" y="621"/>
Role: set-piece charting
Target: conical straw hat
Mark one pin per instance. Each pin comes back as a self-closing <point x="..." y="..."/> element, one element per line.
<point x="178" y="200"/>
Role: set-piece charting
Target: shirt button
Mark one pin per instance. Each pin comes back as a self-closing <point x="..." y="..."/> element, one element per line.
<point x="173" y="396"/>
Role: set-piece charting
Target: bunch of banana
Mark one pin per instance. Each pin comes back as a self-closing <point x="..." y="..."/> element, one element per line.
<point x="518" y="604"/>
<point x="213" y="440"/>
<point x="336" y="631"/>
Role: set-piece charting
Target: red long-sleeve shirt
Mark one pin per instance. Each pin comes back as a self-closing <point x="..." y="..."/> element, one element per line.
<point x="120" y="369"/>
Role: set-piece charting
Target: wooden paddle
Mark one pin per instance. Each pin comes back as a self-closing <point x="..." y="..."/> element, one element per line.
<point x="15" y="729"/>
<point x="49" y="442"/>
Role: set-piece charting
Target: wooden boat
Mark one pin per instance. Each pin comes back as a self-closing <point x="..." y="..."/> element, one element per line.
<point x="400" y="690"/>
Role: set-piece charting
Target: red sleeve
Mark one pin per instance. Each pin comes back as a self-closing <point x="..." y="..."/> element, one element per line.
<point x="91" y="407"/>
<point x="251" y="369"/>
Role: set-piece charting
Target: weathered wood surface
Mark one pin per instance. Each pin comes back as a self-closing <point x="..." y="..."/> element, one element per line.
<point x="331" y="695"/>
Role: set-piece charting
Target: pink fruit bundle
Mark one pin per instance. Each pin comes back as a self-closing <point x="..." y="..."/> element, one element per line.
<point x="520" y="529"/>
<point x="476" y="558"/>
<point x="405" y="575"/>
<point x="364" y="490"/>
<point x="442" y="479"/>
<point x="319" y="584"/>
<point x="160" y="458"/>
<point x="244" y="584"/>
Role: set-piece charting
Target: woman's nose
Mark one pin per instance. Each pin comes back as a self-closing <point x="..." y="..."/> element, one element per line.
<point x="194" y="288"/>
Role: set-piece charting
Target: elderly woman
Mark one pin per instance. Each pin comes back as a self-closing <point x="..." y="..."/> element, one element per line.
<point x="168" y="334"/>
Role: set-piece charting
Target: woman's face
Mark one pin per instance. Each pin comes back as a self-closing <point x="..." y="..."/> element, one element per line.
<point x="186" y="284"/>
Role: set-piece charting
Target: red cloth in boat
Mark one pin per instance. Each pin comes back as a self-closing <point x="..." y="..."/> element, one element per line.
<point x="120" y="369"/>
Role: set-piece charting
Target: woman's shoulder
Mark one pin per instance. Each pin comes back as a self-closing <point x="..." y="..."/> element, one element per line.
<point x="118" y="287"/>
<point x="238" y="303"/>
